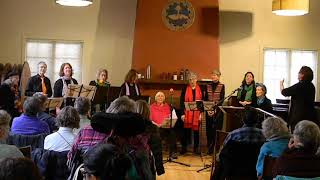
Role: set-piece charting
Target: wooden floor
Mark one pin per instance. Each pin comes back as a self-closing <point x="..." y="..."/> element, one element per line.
<point x="179" y="172"/>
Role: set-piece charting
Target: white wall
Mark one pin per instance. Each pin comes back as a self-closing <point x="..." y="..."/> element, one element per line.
<point x="241" y="49"/>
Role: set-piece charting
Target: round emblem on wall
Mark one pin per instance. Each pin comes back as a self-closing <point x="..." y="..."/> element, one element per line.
<point x="178" y="15"/>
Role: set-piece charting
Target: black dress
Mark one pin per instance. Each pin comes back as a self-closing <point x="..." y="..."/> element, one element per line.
<point x="132" y="90"/>
<point x="302" y="103"/>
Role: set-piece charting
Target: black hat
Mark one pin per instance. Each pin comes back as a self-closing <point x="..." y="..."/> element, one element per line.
<point x="102" y="122"/>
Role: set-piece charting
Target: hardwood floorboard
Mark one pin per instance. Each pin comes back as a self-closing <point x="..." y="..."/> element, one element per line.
<point x="179" y="172"/>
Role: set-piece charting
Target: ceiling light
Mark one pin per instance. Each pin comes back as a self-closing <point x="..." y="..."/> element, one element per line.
<point x="77" y="3"/>
<point x="290" y="7"/>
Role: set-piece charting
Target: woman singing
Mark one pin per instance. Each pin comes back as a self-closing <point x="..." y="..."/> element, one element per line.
<point x="101" y="82"/>
<point x="247" y="94"/>
<point x="129" y="87"/>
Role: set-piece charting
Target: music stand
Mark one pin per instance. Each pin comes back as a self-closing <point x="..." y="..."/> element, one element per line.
<point x="101" y="97"/>
<point x="202" y="106"/>
<point x="76" y="90"/>
<point x="170" y="159"/>
<point x="52" y="103"/>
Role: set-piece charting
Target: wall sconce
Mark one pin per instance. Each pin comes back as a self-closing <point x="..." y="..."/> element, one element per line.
<point x="77" y="3"/>
<point x="290" y="7"/>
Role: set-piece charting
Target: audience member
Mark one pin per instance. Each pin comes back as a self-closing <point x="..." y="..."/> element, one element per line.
<point x="276" y="132"/>
<point x="28" y="123"/>
<point x="67" y="119"/>
<point x="18" y="169"/>
<point x="42" y="115"/>
<point x="6" y="150"/>
<point x="83" y="106"/>
<point x="301" y="159"/>
<point x="7" y="96"/>
<point x="106" y="161"/>
<point x="153" y="131"/>
<point x="39" y="82"/>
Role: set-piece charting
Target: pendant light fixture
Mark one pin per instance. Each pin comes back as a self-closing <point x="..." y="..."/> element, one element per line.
<point x="290" y="7"/>
<point x="77" y="3"/>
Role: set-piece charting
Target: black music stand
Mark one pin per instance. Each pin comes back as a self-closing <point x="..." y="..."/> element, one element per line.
<point x="171" y="125"/>
<point x="76" y="90"/>
<point x="101" y="97"/>
<point x="52" y="103"/>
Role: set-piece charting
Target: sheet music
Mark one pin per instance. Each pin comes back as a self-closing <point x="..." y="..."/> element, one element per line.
<point x="52" y="103"/>
<point x="166" y="122"/>
<point x="73" y="90"/>
<point x="88" y="91"/>
<point x="190" y="106"/>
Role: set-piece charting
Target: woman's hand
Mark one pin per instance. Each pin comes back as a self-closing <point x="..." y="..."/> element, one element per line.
<point x="281" y="85"/>
<point x="291" y="143"/>
<point x="210" y="113"/>
<point x="183" y="117"/>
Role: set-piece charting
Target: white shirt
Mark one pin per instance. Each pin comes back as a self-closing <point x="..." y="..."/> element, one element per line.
<point x="61" y="140"/>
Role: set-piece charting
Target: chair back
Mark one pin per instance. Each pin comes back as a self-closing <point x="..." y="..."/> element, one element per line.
<point x="268" y="164"/>
<point x="26" y="151"/>
<point x="35" y="141"/>
<point x="52" y="164"/>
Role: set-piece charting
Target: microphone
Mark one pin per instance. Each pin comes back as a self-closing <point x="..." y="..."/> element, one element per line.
<point x="238" y="89"/>
<point x="171" y="91"/>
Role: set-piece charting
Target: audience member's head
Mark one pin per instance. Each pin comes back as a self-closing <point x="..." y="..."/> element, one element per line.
<point x="128" y="124"/>
<point x="250" y="116"/>
<point x="306" y="134"/>
<point x="14" y="76"/>
<point x="274" y="127"/>
<point x="31" y="106"/>
<point x="143" y="108"/>
<point x="305" y="74"/>
<point x="105" y="161"/>
<point x="42" y="98"/>
<point x="82" y="105"/>
<point x="19" y="169"/>
<point x="68" y="117"/>
<point x="4" y="124"/>
<point x="102" y="122"/>
<point x="121" y="105"/>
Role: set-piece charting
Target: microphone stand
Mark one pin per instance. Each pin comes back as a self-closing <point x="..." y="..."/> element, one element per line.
<point x="213" y="108"/>
<point x="170" y="159"/>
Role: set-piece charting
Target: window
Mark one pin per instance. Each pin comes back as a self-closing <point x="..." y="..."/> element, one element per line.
<point x="54" y="53"/>
<point x="285" y="64"/>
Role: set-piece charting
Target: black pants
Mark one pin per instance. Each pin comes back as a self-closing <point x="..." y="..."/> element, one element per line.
<point x="170" y="137"/>
<point x="186" y="139"/>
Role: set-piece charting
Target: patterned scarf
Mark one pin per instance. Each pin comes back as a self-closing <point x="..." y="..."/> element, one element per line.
<point x="260" y="100"/>
<point x="65" y="86"/>
<point x="192" y="117"/>
<point x="214" y="96"/>
<point x="102" y="84"/>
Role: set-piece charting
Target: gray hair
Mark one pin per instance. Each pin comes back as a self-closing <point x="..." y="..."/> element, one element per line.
<point x="308" y="133"/>
<point x="42" y="62"/>
<point x="274" y="127"/>
<point x="263" y="87"/>
<point x="121" y="105"/>
<point x="42" y="98"/>
<point x="4" y="118"/>
<point x="31" y="106"/>
<point x="192" y="75"/>
<point x="82" y="105"/>
<point x="68" y="117"/>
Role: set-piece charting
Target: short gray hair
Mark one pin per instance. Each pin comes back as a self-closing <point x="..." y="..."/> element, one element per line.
<point x="308" y="133"/>
<point x="192" y="75"/>
<point x="263" y="87"/>
<point x="274" y="127"/>
<point x="121" y="105"/>
<point x="4" y="118"/>
<point x="42" y="98"/>
<point x="216" y="72"/>
<point x="82" y="105"/>
<point x="68" y="117"/>
<point x="158" y="94"/>
<point x="31" y="106"/>
<point x="42" y="62"/>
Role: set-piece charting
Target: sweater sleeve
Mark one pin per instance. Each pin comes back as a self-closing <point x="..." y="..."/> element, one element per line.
<point x="290" y="91"/>
<point x="57" y="89"/>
